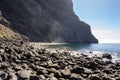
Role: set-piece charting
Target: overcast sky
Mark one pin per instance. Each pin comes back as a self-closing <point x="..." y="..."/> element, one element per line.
<point x="103" y="16"/>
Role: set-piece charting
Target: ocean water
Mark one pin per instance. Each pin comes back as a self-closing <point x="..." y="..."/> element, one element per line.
<point x="96" y="49"/>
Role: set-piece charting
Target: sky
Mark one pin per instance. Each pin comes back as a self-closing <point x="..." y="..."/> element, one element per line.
<point x="103" y="16"/>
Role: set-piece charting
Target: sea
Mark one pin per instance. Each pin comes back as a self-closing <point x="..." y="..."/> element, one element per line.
<point x="91" y="49"/>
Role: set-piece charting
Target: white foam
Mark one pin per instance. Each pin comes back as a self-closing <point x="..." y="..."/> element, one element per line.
<point x="115" y="55"/>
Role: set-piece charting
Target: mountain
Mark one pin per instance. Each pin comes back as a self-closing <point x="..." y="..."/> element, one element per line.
<point x="6" y="33"/>
<point x="47" y="21"/>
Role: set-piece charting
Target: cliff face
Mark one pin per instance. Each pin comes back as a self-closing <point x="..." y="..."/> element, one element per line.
<point x="6" y="33"/>
<point x="47" y="20"/>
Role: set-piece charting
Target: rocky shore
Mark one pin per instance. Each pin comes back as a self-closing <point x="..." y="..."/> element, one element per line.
<point x="24" y="62"/>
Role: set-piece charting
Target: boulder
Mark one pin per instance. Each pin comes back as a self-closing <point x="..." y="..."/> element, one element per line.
<point x="106" y="55"/>
<point x="78" y="70"/>
<point x="76" y="77"/>
<point x="32" y="77"/>
<point x="24" y="74"/>
<point x="87" y="71"/>
<point x="55" y="55"/>
<point x="65" y="73"/>
<point x="42" y="77"/>
<point x="12" y="76"/>
<point x="94" y="77"/>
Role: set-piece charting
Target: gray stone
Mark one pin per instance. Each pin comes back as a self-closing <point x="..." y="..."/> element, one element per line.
<point x="76" y="77"/>
<point x="87" y="71"/>
<point x="18" y="68"/>
<point x="51" y="65"/>
<point x="3" y="75"/>
<point x="24" y="74"/>
<point x="53" y="78"/>
<point x="42" y="77"/>
<point x="13" y="76"/>
<point x="55" y="55"/>
<point x="65" y="73"/>
<point x="53" y="70"/>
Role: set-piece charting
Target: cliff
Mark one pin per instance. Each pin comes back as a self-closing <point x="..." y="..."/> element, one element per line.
<point x="6" y="33"/>
<point x="47" y="20"/>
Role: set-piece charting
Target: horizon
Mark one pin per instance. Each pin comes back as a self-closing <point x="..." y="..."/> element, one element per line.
<point x="103" y="17"/>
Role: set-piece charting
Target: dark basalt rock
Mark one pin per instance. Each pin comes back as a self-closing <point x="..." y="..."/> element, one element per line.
<point x="78" y="70"/>
<point x="106" y="55"/>
<point x="47" y="20"/>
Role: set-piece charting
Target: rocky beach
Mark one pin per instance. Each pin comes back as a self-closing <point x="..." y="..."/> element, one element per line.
<point x="25" y="62"/>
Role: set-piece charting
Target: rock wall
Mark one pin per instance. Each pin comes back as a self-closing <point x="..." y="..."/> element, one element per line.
<point x="8" y="34"/>
<point x="47" y="20"/>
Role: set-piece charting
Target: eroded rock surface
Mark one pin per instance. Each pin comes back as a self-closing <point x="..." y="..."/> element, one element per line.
<point x="47" y="20"/>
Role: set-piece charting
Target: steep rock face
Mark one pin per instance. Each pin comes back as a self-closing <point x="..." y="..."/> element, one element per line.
<point x="6" y="33"/>
<point x="47" y="20"/>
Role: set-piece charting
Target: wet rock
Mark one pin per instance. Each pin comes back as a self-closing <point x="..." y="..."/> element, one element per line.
<point x="106" y="55"/>
<point x="24" y="74"/>
<point x="65" y="73"/>
<point x="76" y="77"/>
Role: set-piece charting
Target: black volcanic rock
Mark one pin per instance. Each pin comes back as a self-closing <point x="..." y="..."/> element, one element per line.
<point x="47" y="20"/>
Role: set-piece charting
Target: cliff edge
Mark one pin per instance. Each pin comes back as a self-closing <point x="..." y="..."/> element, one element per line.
<point x="47" y="20"/>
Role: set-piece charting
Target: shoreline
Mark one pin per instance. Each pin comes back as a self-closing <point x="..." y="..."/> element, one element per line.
<point x="28" y="62"/>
